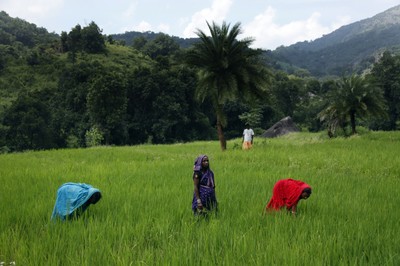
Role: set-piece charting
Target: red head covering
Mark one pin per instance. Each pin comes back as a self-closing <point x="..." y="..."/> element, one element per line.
<point x="287" y="193"/>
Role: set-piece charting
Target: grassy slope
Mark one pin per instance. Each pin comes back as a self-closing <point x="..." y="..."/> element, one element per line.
<point x="144" y="217"/>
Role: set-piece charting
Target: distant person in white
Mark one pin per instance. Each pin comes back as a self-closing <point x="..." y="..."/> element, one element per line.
<point x="247" y="140"/>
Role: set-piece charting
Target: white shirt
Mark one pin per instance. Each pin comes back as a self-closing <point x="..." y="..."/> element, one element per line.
<point x="247" y="134"/>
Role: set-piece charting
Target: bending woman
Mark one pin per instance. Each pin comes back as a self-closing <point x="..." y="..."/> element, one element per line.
<point x="73" y="199"/>
<point x="287" y="193"/>
<point x="204" y="186"/>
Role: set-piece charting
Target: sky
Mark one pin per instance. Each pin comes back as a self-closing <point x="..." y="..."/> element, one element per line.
<point x="271" y="23"/>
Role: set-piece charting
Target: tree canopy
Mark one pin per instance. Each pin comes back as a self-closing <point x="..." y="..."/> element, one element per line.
<point x="228" y="69"/>
<point x="82" y="88"/>
<point x="355" y="96"/>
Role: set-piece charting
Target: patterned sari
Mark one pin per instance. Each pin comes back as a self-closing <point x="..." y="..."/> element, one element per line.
<point x="206" y="187"/>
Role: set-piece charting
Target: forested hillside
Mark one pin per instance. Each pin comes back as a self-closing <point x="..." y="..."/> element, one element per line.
<point x="351" y="48"/>
<point x="83" y="88"/>
<point x="78" y="88"/>
<point x="133" y="37"/>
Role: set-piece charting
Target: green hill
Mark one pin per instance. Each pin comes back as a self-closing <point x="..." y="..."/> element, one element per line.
<point x="83" y="88"/>
<point x="350" y="49"/>
<point x="15" y="30"/>
<point x="62" y="91"/>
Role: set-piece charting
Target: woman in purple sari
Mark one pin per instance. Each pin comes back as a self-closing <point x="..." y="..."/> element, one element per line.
<point x="204" y="187"/>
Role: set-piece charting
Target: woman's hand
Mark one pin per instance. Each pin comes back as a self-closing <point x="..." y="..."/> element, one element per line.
<point x="294" y="210"/>
<point x="199" y="205"/>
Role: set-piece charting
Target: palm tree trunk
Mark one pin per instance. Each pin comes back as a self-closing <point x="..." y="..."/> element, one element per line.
<point x="353" y="123"/>
<point x="221" y="135"/>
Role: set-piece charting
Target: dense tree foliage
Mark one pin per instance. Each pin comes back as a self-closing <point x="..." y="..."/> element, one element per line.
<point x="29" y="123"/>
<point x="15" y="30"/>
<point x="354" y="97"/>
<point x="387" y="74"/>
<point x="88" y="39"/>
<point x="92" y="39"/>
<point x="227" y="70"/>
<point x="79" y="90"/>
<point x="106" y="105"/>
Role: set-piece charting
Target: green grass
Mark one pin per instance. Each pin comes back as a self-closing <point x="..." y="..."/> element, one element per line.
<point x="145" y="218"/>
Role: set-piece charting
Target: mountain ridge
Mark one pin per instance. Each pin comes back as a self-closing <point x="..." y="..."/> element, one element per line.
<point x="384" y="20"/>
<point x="351" y="48"/>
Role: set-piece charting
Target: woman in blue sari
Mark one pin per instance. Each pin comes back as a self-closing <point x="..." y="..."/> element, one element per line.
<point x="204" y="198"/>
<point x="73" y="199"/>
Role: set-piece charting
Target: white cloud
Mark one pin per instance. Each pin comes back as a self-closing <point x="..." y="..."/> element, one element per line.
<point x="31" y="10"/>
<point x="143" y="26"/>
<point x="217" y="13"/>
<point x="305" y="20"/>
<point x="341" y="21"/>
<point x="130" y="11"/>
<point x="269" y="35"/>
<point x="165" y="28"/>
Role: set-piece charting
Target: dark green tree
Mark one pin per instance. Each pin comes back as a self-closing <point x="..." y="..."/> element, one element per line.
<point x="163" y="45"/>
<point x="288" y="93"/>
<point x="252" y="118"/>
<point x="74" y="42"/>
<point x="227" y="70"/>
<point x="161" y="108"/>
<point x="354" y="97"/>
<point x="331" y="115"/>
<point x="71" y="118"/>
<point x="139" y="42"/>
<point x="234" y="110"/>
<point x="64" y="41"/>
<point x="28" y="122"/>
<point x="171" y="120"/>
<point x="107" y="103"/>
<point x="92" y="40"/>
<point x="142" y="91"/>
<point x="5" y="37"/>
<point x="387" y="74"/>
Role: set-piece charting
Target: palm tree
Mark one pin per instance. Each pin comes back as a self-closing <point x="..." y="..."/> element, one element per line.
<point x="227" y="69"/>
<point x="332" y="118"/>
<point x="354" y="96"/>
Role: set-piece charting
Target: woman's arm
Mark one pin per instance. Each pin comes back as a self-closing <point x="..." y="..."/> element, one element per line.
<point x="294" y="209"/>
<point x="196" y="182"/>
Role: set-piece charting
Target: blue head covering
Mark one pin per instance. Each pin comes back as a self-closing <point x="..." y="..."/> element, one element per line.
<point x="197" y="162"/>
<point x="71" y="196"/>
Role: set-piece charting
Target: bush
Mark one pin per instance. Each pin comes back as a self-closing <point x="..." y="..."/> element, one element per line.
<point x="4" y="149"/>
<point x="93" y="137"/>
<point x="73" y="141"/>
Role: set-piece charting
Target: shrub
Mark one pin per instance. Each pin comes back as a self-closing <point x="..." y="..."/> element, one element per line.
<point x="93" y="137"/>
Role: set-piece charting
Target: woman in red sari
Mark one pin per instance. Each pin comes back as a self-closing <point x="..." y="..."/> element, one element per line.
<point x="287" y="193"/>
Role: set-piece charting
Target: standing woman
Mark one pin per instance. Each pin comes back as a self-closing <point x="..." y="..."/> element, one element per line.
<point x="287" y="193"/>
<point x="204" y="186"/>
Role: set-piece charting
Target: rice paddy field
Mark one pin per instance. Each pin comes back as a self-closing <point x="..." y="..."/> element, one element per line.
<point x="145" y="217"/>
